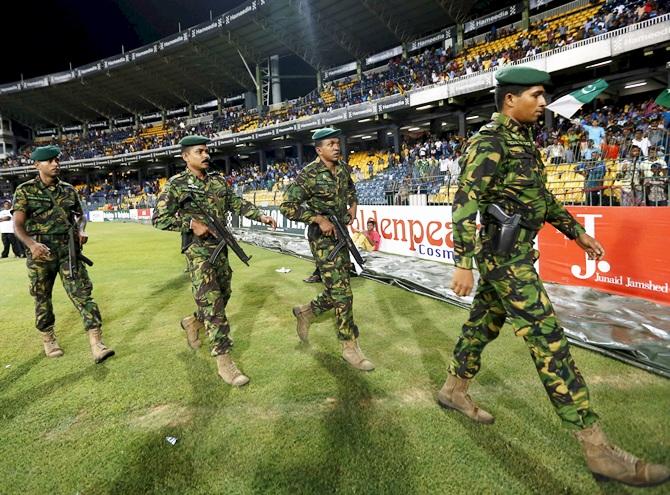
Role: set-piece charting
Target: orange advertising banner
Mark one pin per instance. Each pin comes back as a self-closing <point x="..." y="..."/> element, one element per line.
<point x="637" y="252"/>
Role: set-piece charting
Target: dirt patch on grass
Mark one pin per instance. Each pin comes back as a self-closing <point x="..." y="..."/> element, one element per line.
<point x="162" y="415"/>
<point x="65" y="425"/>
<point x="423" y="395"/>
<point x="622" y="382"/>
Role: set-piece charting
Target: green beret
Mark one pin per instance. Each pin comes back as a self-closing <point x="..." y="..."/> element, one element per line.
<point x="45" y="153"/>
<point x="524" y="76"/>
<point x="193" y="141"/>
<point x="326" y="132"/>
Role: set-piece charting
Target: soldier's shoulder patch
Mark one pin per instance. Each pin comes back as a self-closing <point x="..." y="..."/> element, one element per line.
<point x="66" y="185"/>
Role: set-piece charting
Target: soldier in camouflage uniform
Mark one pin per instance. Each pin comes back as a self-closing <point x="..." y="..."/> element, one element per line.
<point x="503" y="167"/>
<point x="44" y="210"/>
<point x="176" y="210"/>
<point x="325" y="187"/>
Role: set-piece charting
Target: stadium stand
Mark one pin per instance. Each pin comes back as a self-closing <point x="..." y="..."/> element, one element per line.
<point x="426" y="164"/>
<point x="400" y="75"/>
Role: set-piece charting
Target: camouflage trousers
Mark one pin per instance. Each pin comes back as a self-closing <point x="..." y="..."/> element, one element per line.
<point x="337" y="293"/>
<point x="42" y="275"/>
<point x="513" y="290"/>
<point x="211" y="290"/>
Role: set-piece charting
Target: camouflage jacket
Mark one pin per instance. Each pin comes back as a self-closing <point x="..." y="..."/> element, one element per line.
<point x="174" y="212"/>
<point x="502" y="165"/>
<point x="32" y="198"/>
<point x="317" y="191"/>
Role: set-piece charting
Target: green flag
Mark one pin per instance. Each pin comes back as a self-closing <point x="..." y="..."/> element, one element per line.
<point x="664" y="98"/>
<point x="567" y="105"/>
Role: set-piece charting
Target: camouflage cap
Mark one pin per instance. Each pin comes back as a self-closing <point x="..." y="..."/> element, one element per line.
<point x="326" y="132"/>
<point x="524" y="76"/>
<point x="45" y="153"/>
<point x="193" y="140"/>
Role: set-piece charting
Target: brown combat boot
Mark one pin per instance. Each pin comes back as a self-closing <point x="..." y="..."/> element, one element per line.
<point x="51" y="347"/>
<point x="192" y="326"/>
<point x="454" y="395"/>
<point x="607" y="461"/>
<point x="304" y="315"/>
<point x="229" y="372"/>
<point x="353" y="355"/>
<point x="99" y="350"/>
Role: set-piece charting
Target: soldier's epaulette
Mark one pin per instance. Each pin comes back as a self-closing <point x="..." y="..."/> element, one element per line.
<point x="176" y="177"/>
<point x="490" y="127"/>
<point x="214" y="173"/>
<point x="309" y="168"/>
<point x="26" y="183"/>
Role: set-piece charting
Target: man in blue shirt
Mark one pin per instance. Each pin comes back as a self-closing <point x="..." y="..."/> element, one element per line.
<point x="587" y="154"/>
<point x="595" y="131"/>
<point x="594" y="176"/>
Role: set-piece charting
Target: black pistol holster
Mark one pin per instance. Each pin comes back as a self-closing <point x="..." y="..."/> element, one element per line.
<point x="502" y="229"/>
<point x="313" y="231"/>
<point x="186" y="240"/>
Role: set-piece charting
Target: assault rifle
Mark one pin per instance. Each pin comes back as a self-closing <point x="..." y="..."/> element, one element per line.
<point x="74" y="249"/>
<point x="343" y="240"/>
<point x="222" y="235"/>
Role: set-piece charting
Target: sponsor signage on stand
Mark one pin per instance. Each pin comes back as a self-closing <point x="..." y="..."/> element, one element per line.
<point x="635" y="241"/>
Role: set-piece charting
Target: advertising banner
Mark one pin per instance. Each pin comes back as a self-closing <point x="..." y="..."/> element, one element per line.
<point x="361" y="110"/>
<point x="283" y="224"/>
<point x="383" y="56"/>
<point x="429" y="95"/>
<point x="493" y="18"/>
<point x="470" y="84"/>
<point x="85" y="70"/>
<point x="10" y="88"/>
<point x="38" y="82"/>
<point x="144" y="214"/>
<point x="636" y="260"/>
<point x="574" y="56"/>
<point x="417" y="231"/>
<point x="342" y="69"/>
<point x="393" y="103"/>
<point x="334" y="116"/>
<point x="431" y="39"/>
<point x="639" y="38"/>
<point x="61" y="77"/>
<point x="109" y="216"/>
<point x="144" y="51"/>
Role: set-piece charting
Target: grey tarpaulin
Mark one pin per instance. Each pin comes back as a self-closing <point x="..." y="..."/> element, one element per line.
<point x="632" y="330"/>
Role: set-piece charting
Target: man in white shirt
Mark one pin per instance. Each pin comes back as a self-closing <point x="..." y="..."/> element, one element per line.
<point x="7" y="230"/>
<point x="649" y="161"/>
<point x="641" y="142"/>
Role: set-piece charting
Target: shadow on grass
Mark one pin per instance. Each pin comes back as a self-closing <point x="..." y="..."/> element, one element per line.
<point x="423" y="328"/>
<point x="11" y="407"/>
<point x="159" y="299"/>
<point x="251" y="301"/>
<point x="155" y="466"/>
<point x="353" y="448"/>
<point x="20" y="371"/>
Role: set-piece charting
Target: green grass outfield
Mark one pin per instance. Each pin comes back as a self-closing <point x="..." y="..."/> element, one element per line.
<point x="306" y="423"/>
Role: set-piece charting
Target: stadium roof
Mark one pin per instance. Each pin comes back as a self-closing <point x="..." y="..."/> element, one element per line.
<point x="205" y="62"/>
